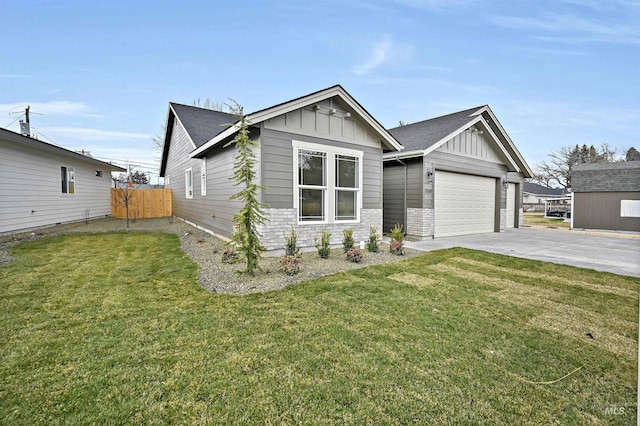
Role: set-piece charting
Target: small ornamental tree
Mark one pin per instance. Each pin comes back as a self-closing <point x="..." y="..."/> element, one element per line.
<point x="250" y="216"/>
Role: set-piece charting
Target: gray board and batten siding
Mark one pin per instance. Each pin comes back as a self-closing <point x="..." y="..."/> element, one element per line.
<point x="277" y="168"/>
<point x="31" y="194"/>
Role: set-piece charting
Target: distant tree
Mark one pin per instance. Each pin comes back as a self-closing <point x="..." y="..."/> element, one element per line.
<point x="138" y="177"/>
<point x="558" y="170"/>
<point x="632" y="155"/>
<point x="246" y="221"/>
<point x="402" y="123"/>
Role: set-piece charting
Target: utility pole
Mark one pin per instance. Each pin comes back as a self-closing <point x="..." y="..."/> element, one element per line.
<point x="26" y="113"/>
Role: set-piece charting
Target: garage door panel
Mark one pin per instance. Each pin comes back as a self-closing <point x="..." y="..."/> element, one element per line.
<point x="464" y="204"/>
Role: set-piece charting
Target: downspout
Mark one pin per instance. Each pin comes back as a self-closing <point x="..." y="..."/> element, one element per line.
<point x="404" y="200"/>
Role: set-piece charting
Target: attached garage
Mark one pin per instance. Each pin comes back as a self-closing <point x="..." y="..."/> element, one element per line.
<point x="459" y="174"/>
<point x="464" y="204"/>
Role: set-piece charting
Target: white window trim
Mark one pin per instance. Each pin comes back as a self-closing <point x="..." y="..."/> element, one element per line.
<point x="203" y="177"/>
<point x="330" y="188"/>
<point x="188" y="182"/>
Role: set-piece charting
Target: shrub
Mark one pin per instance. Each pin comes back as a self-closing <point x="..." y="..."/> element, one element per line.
<point x="324" y="245"/>
<point x="229" y="255"/>
<point x="396" y="247"/>
<point x="374" y="239"/>
<point x="291" y="244"/>
<point x="355" y="255"/>
<point x="347" y="239"/>
<point x="290" y="265"/>
<point x="396" y="233"/>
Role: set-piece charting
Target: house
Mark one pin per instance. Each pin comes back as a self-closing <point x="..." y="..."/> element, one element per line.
<point x="459" y="174"/>
<point x="606" y="196"/>
<point x="44" y="184"/>
<point x="320" y="162"/>
<point x="532" y="193"/>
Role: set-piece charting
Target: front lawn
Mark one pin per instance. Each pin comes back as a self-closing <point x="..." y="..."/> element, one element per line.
<point x="114" y="329"/>
<point x="531" y="219"/>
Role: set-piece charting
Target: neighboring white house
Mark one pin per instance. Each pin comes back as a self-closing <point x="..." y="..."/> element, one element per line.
<point x="44" y="184"/>
<point x="538" y="194"/>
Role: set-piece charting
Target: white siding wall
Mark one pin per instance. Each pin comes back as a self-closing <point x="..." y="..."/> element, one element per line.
<point x="30" y="189"/>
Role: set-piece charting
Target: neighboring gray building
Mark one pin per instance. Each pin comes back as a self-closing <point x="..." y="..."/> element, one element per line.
<point x="459" y="174"/>
<point x="44" y="184"/>
<point x="320" y="161"/>
<point x="606" y="196"/>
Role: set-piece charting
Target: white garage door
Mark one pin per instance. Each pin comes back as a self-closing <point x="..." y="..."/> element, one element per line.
<point x="511" y="205"/>
<point x="463" y="204"/>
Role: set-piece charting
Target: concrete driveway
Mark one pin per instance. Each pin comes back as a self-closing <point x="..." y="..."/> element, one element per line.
<point x="576" y="248"/>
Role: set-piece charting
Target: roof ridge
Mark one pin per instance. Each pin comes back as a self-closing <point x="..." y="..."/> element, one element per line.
<point x="202" y="109"/>
<point x="441" y="116"/>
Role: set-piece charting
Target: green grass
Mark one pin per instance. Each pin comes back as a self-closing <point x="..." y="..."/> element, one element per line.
<point x="539" y="219"/>
<point x="114" y="329"/>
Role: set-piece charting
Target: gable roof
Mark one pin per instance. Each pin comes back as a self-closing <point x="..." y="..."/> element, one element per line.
<point x="201" y="123"/>
<point x="282" y="108"/>
<point x="426" y="136"/>
<point x="50" y="148"/>
<point x="534" y="188"/>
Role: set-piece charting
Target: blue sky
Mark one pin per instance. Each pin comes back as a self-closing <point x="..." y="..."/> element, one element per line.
<point x="101" y="73"/>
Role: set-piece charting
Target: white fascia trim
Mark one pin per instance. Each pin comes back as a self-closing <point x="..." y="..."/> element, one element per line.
<point x="390" y="156"/>
<point x="269" y="113"/>
<point x="183" y="128"/>
<point x="508" y="139"/>
<point x="499" y="143"/>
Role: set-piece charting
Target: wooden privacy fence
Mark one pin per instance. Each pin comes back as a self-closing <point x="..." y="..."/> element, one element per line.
<point x="143" y="203"/>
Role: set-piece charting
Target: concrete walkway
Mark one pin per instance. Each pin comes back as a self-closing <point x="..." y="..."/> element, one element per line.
<point x="617" y="255"/>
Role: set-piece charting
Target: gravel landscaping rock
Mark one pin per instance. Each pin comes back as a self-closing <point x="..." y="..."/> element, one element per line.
<point x="206" y="250"/>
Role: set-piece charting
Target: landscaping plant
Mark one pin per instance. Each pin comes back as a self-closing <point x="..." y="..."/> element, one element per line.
<point x="374" y="239"/>
<point x="347" y="239"/>
<point x="290" y="265"/>
<point x="229" y="255"/>
<point x="291" y="244"/>
<point x="397" y="240"/>
<point x="250" y="216"/>
<point x="324" y="245"/>
<point x="355" y="255"/>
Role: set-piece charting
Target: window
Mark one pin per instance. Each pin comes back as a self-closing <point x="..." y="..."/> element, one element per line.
<point x="188" y="182"/>
<point x="347" y="187"/>
<point x="68" y="178"/>
<point x="327" y="183"/>
<point x="311" y="185"/>
<point x="203" y="177"/>
<point x="98" y="173"/>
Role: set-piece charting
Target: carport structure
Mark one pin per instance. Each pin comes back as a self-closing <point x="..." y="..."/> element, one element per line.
<point x="459" y="174"/>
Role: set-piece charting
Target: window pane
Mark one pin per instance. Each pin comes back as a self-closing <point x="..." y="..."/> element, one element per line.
<point x="311" y="166"/>
<point x="346" y="171"/>
<point x="72" y="179"/>
<point x="311" y="204"/>
<point x="346" y="205"/>
<point x="63" y="177"/>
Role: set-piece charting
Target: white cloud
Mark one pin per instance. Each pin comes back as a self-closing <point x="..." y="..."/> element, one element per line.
<point x="52" y="108"/>
<point x="379" y="55"/>
<point x="61" y="133"/>
<point x="574" y="29"/>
